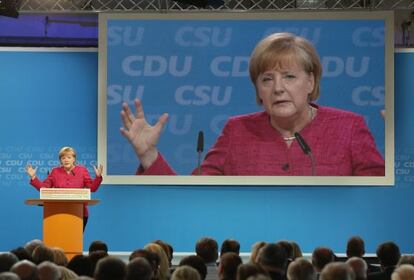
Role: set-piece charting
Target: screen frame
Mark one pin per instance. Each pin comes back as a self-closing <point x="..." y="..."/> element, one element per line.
<point x="387" y="180"/>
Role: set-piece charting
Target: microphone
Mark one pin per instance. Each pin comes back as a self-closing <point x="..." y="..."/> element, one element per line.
<point x="200" y="148"/>
<point x="306" y="149"/>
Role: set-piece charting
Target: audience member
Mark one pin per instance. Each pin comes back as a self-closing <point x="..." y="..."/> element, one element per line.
<point x="207" y="249"/>
<point x="8" y="276"/>
<point x="139" y="269"/>
<point x="59" y="256"/>
<point x="230" y="245"/>
<point x="406" y="260"/>
<point x="403" y="272"/>
<point x="94" y="257"/>
<point x="273" y="259"/>
<point x="244" y="271"/>
<point x="229" y="262"/>
<point x="26" y="270"/>
<point x="151" y="257"/>
<point x="167" y="249"/>
<point x="32" y="244"/>
<point x="388" y="254"/>
<point x="301" y="269"/>
<point x="255" y="250"/>
<point x="321" y="256"/>
<point x="359" y="266"/>
<point x="288" y="248"/>
<point x="7" y="260"/>
<point x="164" y="267"/>
<point x="81" y="265"/>
<point x="49" y="271"/>
<point x="195" y="262"/>
<point x="110" y="268"/>
<point x="42" y="253"/>
<point x="84" y="278"/>
<point x="337" y="271"/>
<point x="22" y="253"/>
<point x="98" y="245"/>
<point x="67" y="274"/>
<point x="355" y="247"/>
<point x="185" y="272"/>
<point x="296" y="251"/>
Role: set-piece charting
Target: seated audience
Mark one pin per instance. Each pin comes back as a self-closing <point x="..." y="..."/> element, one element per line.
<point x="403" y="272"/>
<point x="246" y="270"/>
<point x="273" y="259"/>
<point x="151" y="257"/>
<point x="301" y="269"/>
<point x="195" y="262"/>
<point x="110" y="268"/>
<point x="337" y="271"/>
<point x="185" y="272"/>
<point x="207" y="249"/>
<point x="22" y="253"/>
<point x="26" y="270"/>
<point x="296" y="251"/>
<point x="49" y="271"/>
<point x="255" y="250"/>
<point x="97" y="245"/>
<point x="321" y="256"/>
<point x="43" y="253"/>
<point x="229" y="262"/>
<point x="167" y="249"/>
<point x="67" y="274"/>
<point x="230" y="245"/>
<point x="7" y="275"/>
<point x="139" y="269"/>
<point x="81" y="265"/>
<point x="406" y="260"/>
<point x="359" y="266"/>
<point x="7" y="260"/>
<point x="355" y="247"/>
<point x="32" y="244"/>
<point x="388" y="254"/>
<point x="164" y="267"/>
<point x="59" y="257"/>
<point x="94" y="257"/>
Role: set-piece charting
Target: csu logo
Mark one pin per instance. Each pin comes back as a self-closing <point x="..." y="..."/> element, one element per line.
<point x="189" y="36"/>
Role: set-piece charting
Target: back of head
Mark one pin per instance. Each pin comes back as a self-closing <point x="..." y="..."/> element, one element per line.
<point x="185" y="272"/>
<point x="98" y="245"/>
<point x="296" y="251"/>
<point x="59" y="257"/>
<point x="22" y="253"/>
<point x="337" y="271"/>
<point x="32" y="244"/>
<point x="26" y="270"/>
<point x="7" y="275"/>
<point x="49" y="271"/>
<point x="301" y="269"/>
<point x="256" y="249"/>
<point x="229" y="262"/>
<point x="167" y="249"/>
<point x="94" y="258"/>
<point x="244" y="271"/>
<point x="273" y="256"/>
<point x="164" y="267"/>
<point x="230" y="245"/>
<point x="81" y="265"/>
<point x="7" y="260"/>
<point x="406" y="259"/>
<point x="388" y="254"/>
<point x="403" y="272"/>
<point x="321" y="256"/>
<point x="110" y="268"/>
<point x="355" y="247"/>
<point x="288" y="248"/>
<point x="67" y="274"/>
<point x="359" y="266"/>
<point x="42" y="253"/>
<point x="207" y="249"/>
<point x="152" y="258"/>
<point x="195" y="262"/>
<point x="139" y="268"/>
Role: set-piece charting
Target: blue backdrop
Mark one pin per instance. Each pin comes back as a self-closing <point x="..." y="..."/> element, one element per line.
<point x="49" y="99"/>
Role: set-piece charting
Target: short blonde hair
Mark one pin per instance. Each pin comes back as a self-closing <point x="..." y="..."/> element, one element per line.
<point x="281" y="49"/>
<point x="67" y="151"/>
<point x="403" y="272"/>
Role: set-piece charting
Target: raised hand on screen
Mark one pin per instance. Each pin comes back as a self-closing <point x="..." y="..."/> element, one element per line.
<point x="142" y="136"/>
<point x="31" y="171"/>
<point x="98" y="170"/>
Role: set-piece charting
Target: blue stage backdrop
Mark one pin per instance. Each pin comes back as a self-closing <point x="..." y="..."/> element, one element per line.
<point x="197" y="71"/>
<point x="48" y="99"/>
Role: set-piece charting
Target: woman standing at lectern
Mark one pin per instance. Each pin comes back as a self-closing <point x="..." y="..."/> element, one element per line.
<point x="68" y="175"/>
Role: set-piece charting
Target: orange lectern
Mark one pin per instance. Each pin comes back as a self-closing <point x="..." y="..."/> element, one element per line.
<point x="63" y="223"/>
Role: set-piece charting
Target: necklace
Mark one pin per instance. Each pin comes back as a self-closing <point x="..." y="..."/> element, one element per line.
<point x="312" y="116"/>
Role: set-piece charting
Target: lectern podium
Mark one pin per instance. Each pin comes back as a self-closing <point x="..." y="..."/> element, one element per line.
<point x="63" y="223"/>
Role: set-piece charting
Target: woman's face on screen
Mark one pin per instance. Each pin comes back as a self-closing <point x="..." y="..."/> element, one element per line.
<point x="284" y="91"/>
<point x="67" y="161"/>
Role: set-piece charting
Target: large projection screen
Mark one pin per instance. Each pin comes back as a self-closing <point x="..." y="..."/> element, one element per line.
<point x="194" y="66"/>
